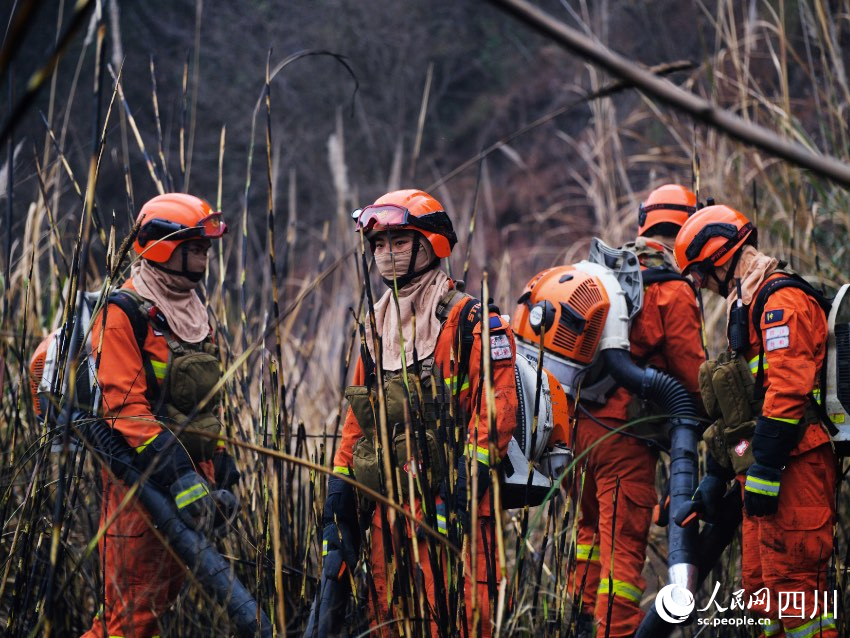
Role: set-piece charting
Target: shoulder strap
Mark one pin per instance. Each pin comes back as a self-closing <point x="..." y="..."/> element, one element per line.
<point x="470" y="315"/>
<point x="654" y="275"/>
<point x="448" y="302"/>
<point x="131" y="305"/>
<point x="790" y="280"/>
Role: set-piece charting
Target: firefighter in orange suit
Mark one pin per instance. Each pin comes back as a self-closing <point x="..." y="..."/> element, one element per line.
<point x="438" y="441"/>
<point x="156" y="365"/>
<point x="666" y="334"/>
<point x="788" y="483"/>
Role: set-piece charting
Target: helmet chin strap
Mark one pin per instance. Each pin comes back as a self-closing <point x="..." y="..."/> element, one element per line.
<point x="191" y="275"/>
<point x="723" y="286"/>
<point x="410" y="275"/>
<point x="402" y="281"/>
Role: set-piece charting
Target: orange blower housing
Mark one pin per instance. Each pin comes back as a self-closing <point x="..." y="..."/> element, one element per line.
<point x="562" y="311"/>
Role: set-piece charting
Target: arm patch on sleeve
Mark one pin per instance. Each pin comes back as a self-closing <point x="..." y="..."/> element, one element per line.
<point x="777" y="338"/>
<point x="773" y="316"/>
<point x="500" y="347"/>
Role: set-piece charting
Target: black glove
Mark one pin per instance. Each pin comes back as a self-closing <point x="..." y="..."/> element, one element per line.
<point x="226" y="508"/>
<point x="339" y="549"/>
<point x="173" y="471"/>
<point x="168" y="458"/>
<point x="761" y="491"/>
<point x="226" y="474"/>
<point x="704" y="503"/>
<point x="773" y="441"/>
<point x="339" y="521"/>
<point x="195" y="506"/>
<point x="463" y="493"/>
<point x="772" y="444"/>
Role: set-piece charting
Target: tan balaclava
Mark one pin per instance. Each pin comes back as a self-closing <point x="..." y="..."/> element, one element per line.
<point x="420" y="296"/>
<point x="654" y="252"/>
<point x="753" y="268"/>
<point x="175" y="297"/>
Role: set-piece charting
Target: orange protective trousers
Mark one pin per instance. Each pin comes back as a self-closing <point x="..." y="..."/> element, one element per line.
<point x="791" y="550"/>
<point x="141" y="577"/>
<point x="612" y="536"/>
<point x="486" y="554"/>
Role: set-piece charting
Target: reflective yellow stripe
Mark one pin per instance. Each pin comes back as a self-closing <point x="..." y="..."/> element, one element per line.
<point x="587" y="552"/>
<point x="441" y="525"/>
<point x="159" y="368"/>
<point x="754" y="365"/>
<point x="324" y="548"/>
<point x="761" y="486"/>
<point x="811" y="628"/>
<point x="774" y="628"/>
<point x="189" y="496"/>
<point x="452" y="383"/>
<point x="142" y="447"/>
<point x="220" y="444"/>
<point x="341" y="469"/>
<point x="784" y="420"/>
<point x="482" y="454"/>
<point x="816" y="395"/>
<point x="621" y="589"/>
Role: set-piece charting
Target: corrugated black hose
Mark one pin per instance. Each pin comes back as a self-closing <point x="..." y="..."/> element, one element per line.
<point x="684" y="430"/>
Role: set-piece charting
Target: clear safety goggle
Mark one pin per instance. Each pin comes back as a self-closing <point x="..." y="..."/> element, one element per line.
<point x="211" y="227"/>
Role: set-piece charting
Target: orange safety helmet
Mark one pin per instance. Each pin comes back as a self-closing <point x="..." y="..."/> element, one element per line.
<point x="574" y="303"/>
<point x="173" y="218"/>
<point x="667" y="204"/>
<point x="410" y="209"/>
<point x="710" y="238"/>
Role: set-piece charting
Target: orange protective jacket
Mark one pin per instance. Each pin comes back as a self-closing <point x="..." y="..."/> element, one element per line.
<point x="791" y="550"/>
<point x="794" y="336"/>
<point x="666" y="334"/>
<point x="141" y="576"/>
<point x="446" y="360"/>
<point x="121" y="373"/>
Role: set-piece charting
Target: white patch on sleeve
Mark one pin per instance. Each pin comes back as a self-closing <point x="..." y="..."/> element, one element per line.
<point x="779" y="340"/>
<point x="778" y="331"/>
<point x="500" y="347"/>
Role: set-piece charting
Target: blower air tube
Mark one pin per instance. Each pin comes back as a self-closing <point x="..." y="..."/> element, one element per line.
<point x="684" y="429"/>
<point x="199" y="555"/>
